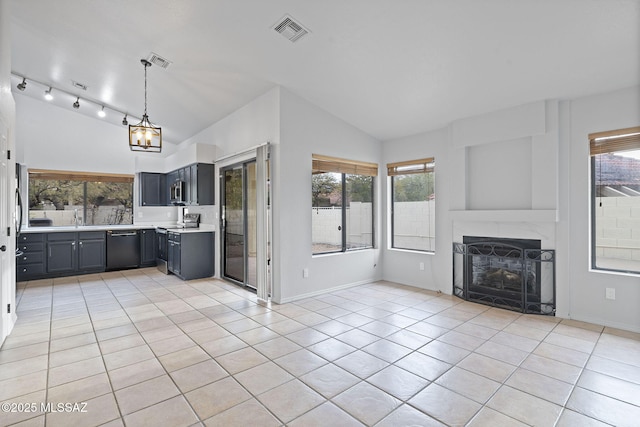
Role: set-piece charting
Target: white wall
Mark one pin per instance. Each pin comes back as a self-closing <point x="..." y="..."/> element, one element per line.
<point x="51" y="137"/>
<point x="305" y="130"/>
<point x="8" y="117"/>
<point x="255" y="123"/>
<point x="554" y="206"/>
<point x="486" y="185"/>
<point x="615" y="110"/>
<point x="404" y="266"/>
<point x="296" y="129"/>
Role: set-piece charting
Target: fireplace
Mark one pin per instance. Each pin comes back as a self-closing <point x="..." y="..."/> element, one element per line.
<point x="510" y="273"/>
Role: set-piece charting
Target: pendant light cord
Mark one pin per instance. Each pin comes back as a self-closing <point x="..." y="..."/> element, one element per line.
<point x="146" y="64"/>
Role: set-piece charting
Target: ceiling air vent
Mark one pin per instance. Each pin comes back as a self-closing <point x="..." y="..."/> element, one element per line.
<point x="290" y="29"/>
<point x="79" y="85"/>
<point x="158" y="60"/>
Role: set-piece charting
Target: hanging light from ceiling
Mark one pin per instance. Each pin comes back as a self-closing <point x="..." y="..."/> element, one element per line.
<point x="23" y="85"/>
<point x="145" y="136"/>
<point x="102" y="113"/>
<point x="76" y="104"/>
<point x="47" y="94"/>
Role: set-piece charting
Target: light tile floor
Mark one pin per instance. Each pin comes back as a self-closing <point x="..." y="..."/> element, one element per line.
<point x="143" y="349"/>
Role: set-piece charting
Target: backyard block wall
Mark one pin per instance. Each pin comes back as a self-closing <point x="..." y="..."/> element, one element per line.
<point x="618" y="228"/>
<point x="415" y="225"/>
<point x="95" y="216"/>
<point x="415" y="229"/>
<point x="325" y="222"/>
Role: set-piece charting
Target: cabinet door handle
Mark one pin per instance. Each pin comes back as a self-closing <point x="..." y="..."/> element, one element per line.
<point x="80" y="243"/>
<point x="73" y="244"/>
<point x="49" y="251"/>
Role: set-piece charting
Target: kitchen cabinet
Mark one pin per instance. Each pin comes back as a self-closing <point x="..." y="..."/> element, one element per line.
<point x="62" y="252"/>
<point x="31" y="262"/>
<point x="147" y="247"/>
<point x="198" y="180"/>
<point x="153" y="189"/>
<point x="91" y="251"/>
<point x="191" y="254"/>
<point x="70" y="252"/>
<point x="202" y="184"/>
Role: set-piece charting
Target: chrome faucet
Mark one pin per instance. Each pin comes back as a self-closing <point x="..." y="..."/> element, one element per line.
<point x="75" y="217"/>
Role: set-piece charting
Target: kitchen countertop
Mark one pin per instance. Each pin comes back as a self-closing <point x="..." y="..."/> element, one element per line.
<point x="202" y="229"/>
<point x="170" y="227"/>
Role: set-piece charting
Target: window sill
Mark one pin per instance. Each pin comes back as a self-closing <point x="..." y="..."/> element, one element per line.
<point x="412" y="251"/>
<point x="328" y="254"/>
<point x="614" y="272"/>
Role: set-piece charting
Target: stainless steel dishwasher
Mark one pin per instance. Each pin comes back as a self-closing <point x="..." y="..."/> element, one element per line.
<point x="123" y="249"/>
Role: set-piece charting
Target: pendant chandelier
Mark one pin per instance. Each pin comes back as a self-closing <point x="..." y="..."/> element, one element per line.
<point x="145" y="136"/>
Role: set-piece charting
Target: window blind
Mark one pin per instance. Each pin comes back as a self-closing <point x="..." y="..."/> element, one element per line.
<point x="79" y="176"/>
<point x="614" y="140"/>
<point x="411" y="167"/>
<point x="324" y="164"/>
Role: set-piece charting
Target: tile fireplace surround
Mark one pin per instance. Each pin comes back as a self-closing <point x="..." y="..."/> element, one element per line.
<point x="141" y="348"/>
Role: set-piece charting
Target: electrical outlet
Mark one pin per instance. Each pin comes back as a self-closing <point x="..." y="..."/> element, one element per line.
<point x="305" y="273"/>
<point x="139" y="214"/>
<point x="610" y="293"/>
<point x="422" y="266"/>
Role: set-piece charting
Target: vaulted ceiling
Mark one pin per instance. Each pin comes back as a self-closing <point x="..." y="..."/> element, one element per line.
<point x="389" y="67"/>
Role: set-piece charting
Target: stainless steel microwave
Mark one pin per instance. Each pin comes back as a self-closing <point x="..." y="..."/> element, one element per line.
<point x="177" y="192"/>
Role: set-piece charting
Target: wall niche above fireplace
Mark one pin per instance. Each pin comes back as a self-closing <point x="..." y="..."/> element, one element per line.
<point x="515" y="274"/>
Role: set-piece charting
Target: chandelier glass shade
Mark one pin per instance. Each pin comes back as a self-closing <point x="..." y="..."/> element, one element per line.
<point x="145" y="136"/>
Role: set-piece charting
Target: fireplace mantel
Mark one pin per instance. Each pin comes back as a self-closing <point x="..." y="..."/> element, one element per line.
<point x="523" y="215"/>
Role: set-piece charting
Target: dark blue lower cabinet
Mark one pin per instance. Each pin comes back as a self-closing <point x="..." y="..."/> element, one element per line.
<point x="191" y="254"/>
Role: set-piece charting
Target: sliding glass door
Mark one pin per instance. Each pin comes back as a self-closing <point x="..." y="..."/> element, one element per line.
<point x="239" y="231"/>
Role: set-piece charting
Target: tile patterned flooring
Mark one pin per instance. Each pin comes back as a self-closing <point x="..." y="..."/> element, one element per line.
<point x="144" y="349"/>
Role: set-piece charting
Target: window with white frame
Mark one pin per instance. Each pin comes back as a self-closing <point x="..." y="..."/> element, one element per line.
<point x="615" y="197"/>
<point x="413" y="204"/>
<point x="341" y="204"/>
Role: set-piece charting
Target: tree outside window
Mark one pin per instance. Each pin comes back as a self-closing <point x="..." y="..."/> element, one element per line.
<point x="68" y="198"/>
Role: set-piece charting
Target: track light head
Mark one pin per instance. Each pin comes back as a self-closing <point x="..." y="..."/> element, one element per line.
<point x="124" y="120"/>
<point x="76" y="104"/>
<point x="23" y="85"/>
<point x="102" y="113"/>
<point x="47" y="94"/>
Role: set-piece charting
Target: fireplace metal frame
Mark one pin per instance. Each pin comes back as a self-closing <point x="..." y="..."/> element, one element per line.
<point x="532" y="261"/>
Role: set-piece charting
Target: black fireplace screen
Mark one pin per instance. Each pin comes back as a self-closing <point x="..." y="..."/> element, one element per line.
<point x="509" y="273"/>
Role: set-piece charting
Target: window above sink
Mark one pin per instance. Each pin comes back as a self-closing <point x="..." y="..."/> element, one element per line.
<point x="63" y="198"/>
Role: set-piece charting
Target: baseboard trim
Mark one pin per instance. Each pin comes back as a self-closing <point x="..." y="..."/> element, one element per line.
<point x="326" y="291"/>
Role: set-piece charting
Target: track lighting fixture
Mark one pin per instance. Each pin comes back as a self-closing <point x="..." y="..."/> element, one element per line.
<point x="149" y="137"/>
